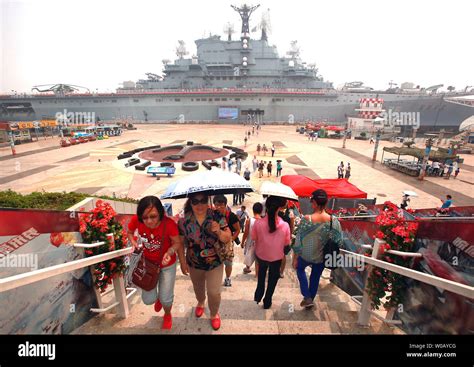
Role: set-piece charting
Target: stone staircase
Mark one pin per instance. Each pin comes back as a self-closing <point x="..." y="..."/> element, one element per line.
<point x="334" y="313"/>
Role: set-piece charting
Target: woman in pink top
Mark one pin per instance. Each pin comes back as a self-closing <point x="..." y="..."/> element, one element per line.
<point x="271" y="234"/>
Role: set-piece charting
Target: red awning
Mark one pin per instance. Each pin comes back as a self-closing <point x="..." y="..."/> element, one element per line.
<point x="335" y="188"/>
<point x="335" y="128"/>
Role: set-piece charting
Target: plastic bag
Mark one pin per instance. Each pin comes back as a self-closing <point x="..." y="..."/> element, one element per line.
<point x="249" y="253"/>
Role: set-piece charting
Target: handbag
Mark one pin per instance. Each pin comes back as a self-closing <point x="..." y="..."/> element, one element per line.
<point x="225" y="250"/>
<point x="147" y="272"/>
<point x="331" y="250"/>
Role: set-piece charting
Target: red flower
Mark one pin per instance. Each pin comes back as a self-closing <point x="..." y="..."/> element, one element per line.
<point x="380" y="235"/>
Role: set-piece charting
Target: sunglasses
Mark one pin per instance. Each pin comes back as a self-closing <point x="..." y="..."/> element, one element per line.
<point x="151" y="217"/>
<point x="219" y="203"/>
<point x="197" y="201"/>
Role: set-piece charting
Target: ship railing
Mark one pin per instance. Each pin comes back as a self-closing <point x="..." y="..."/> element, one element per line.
<point x="364" y="301"/>
<point x="121" y="295"/>
<point x="223" y="90"/>
<point x="227" y="90"/>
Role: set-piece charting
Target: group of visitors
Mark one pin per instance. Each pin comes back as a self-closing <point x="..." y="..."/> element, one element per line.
<point x="313" y="135"/>
<point x="229" y="164"/>
<point x="443" y="169"/>
<point x="263" y="148"/>
<point x="205" y="229"/>
<point x="344" y="172"/>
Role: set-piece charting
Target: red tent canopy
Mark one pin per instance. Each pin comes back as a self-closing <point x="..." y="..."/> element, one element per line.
<point x="335" y="128"/>
<point x="335" y="188"/>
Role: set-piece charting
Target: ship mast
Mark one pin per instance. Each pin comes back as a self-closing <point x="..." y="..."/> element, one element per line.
<point x="245" y="11"/>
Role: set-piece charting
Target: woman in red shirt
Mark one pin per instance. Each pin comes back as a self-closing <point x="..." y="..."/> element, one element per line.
<point x="158" y="236"/>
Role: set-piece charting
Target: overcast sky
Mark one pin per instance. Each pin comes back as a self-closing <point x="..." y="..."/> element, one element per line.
<point x="101" y="43"/>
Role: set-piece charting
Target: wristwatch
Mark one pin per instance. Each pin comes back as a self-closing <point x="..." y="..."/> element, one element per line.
<point x="173" y="251"/>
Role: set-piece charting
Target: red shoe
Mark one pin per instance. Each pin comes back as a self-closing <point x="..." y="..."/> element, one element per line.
<point x="199" y="311"/>
<point x="167" y="322"/>
<point x="216" y="322"/>
<point x="158" y="306"/>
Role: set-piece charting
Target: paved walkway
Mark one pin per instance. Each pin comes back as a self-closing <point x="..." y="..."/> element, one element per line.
<point x="43" y="165"/>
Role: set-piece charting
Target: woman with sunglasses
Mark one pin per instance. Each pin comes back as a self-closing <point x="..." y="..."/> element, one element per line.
<point x="159" y="237"/>
<point x="200" y="231"/>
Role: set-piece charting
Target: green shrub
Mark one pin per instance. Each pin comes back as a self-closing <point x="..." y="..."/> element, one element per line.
<point x="47" y="200"/>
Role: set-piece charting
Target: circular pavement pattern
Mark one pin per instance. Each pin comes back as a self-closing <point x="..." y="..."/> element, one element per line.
<point x="204" y="153"/>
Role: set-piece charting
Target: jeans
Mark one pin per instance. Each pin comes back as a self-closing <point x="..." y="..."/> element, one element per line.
<point x="273" y="277"/>
<point x="316" y="271"/>
<point x="164" y="290"/>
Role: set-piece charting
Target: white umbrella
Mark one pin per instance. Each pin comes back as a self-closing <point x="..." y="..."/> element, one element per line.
<point x="410" y="193"/>
<point x="211" y="182"/>
<point x="277" y="189"/>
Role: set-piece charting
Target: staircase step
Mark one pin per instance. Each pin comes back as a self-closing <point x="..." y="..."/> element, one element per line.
<point x="334" y="311"/>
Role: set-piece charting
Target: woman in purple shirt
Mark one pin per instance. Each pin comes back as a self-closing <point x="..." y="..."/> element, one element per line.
<point x="271" y="234"/>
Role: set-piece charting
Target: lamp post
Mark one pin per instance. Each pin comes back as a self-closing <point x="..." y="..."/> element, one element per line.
<point x="376" y="147"/>
<point x="345" y="137"/>
<point x="12" y="143"/>
<point x="429" y="144"/>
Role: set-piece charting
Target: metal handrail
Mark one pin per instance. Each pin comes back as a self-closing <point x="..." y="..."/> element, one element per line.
<point x="449" y="285"/>
<point x="404" y="254"/>
<point x="444" y="218"/>
<point x="20" y="280"/>
<point x="356" y="216"/>
<point x="89" y="245"/>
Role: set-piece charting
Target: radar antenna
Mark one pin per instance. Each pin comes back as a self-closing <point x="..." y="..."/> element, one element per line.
<point x="153" y="77"/>
<point x="245" y="11"/>
<point x="265" y="25"/>
<point x="294" y="50"/>
<point x="229" y="30"/>
<point x="391" y="84"/>
<point x="181" y="50"/>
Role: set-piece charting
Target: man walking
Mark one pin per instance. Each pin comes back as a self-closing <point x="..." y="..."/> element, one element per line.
<point x="220" y="204"/>
<point x="340" y="170"/>
<point x="269" y="169"/>
<point x="348" y="170"/>
<point x="279" y="168"/>
<point x="254" y="163"/>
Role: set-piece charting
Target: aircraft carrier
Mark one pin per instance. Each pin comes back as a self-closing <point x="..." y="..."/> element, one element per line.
<point x="234" y="81"/>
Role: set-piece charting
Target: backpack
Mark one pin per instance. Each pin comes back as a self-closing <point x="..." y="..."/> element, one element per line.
<point x="331" y="249"/>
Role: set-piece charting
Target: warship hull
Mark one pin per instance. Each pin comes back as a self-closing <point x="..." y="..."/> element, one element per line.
<point x="435" y="112"/>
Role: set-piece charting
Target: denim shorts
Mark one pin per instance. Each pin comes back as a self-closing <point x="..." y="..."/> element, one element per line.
<point x="164" y="290"/>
